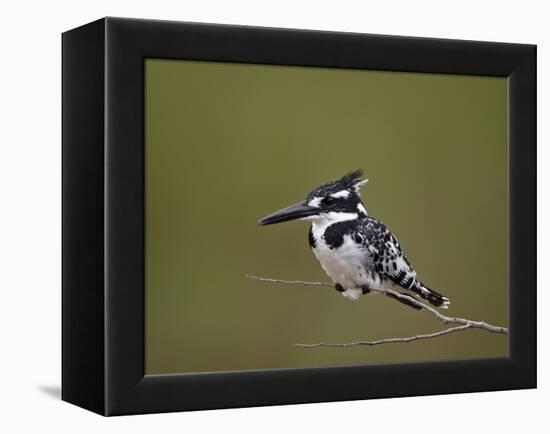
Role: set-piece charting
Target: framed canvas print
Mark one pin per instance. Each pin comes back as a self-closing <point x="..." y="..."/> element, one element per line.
<point x="221" y="245"/>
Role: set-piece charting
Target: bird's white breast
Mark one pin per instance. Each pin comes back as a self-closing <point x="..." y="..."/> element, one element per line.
<point x="344" y="264"/>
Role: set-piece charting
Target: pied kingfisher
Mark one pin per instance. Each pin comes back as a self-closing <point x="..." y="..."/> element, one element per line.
<point x="357" y="251"/>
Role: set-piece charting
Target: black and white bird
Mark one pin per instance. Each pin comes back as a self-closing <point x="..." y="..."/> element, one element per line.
<point x="357" y="252"/>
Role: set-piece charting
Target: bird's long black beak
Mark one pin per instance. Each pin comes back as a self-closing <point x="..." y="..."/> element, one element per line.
<point x="292" y="212"/>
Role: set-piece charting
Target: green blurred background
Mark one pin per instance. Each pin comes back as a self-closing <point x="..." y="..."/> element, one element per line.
<point x="229" y="143"/>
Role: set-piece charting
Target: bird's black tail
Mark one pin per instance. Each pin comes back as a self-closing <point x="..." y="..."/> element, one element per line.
<point x="433" y="297"/>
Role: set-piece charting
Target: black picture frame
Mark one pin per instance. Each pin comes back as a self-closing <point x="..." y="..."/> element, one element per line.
<point x="103" y="215"/>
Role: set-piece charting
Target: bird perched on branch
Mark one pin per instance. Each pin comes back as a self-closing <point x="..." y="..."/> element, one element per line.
<point x="358" y="252"/>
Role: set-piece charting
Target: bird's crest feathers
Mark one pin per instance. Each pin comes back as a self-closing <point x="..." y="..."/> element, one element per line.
<point x="350" y="181"/>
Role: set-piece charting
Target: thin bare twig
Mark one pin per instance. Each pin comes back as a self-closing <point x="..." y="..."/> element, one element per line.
<point x="463" y="323"/>
<point x="389" y="340"/>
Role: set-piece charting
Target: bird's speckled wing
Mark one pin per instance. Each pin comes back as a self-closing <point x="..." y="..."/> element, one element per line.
<point x="387" y="257"/>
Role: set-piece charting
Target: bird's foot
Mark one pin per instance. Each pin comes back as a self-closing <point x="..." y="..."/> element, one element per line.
<point x="365" y="289"/>
<point x="352" y="294"/>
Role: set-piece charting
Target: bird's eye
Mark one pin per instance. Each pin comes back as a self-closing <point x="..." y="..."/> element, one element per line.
<point x="329" y="200"/>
